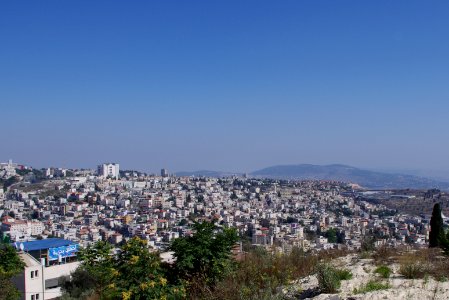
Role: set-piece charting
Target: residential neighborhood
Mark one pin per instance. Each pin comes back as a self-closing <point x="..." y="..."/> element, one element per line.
<point x="85" y="206"/>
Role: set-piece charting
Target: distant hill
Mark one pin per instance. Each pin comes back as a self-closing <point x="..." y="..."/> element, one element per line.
<point x="205" y="173"/>
<point x="365" y="178"/>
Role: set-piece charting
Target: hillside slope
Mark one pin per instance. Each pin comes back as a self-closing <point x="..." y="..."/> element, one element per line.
<point x="365" y="178"/>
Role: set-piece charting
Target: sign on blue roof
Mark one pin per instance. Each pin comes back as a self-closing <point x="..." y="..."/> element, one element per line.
<point x="62" y="252"/>
<point x="43" y="244"/>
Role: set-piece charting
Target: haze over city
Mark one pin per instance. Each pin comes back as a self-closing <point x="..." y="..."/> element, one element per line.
<point x="230" y="86"/>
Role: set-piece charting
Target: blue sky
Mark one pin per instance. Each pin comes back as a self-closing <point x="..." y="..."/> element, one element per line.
<point x="225" y="85"/>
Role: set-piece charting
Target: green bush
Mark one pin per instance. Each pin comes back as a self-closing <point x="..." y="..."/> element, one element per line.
<point x="343" y="274"/>
<point x="328" y="279"/>
<point x="370" y="286"/>
<point x="383" y="271"/>
<point x="206" y="254"/>
<point x="134" y="273"/>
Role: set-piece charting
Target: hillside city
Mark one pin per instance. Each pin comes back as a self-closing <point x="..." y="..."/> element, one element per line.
<point x="107" y="204"/>
<point x="54" y="219"/>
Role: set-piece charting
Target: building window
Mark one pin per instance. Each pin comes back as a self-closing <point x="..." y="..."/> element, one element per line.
<point x="35" y="273"/>
<point x="33" y="297"/>
<point x="32" y="275"/>
<point x="37" y="296"/>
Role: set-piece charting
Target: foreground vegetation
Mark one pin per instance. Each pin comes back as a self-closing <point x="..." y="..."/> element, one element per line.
<point x="10" y="265"/>
<point x="204" y="269"/>
<point x="371" y="286"/>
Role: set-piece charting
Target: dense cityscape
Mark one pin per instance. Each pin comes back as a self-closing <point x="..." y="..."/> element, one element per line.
<point x="72" y="209"/>
<point x="112" y="205"/>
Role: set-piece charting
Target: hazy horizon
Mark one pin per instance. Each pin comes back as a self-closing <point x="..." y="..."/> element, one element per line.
<point x="440" y="174"/>
<point x="230" y="86"/>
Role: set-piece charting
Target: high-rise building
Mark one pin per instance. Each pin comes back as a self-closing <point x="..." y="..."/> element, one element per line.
<point x="164" y="173"/>
<point x="111" y="170"/>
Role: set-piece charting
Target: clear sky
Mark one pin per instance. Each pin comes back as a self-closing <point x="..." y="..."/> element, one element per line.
<point x="225" y="85"/>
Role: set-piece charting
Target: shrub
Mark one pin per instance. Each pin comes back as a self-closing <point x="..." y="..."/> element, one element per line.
<point x="385" y="254"/>
<point x="328" y="280"/>
<point x="370" y="286"/>
<point x="343" y="274"/>
<point x="413" y="270"/>
<point x="368" y="243"/>
<point x="439" y="267"/>
<point x="383" y="271"/>
<point x="260" y="274"/>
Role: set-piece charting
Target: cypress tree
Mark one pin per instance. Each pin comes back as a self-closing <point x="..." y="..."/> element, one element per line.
<point x="436" y="227"/>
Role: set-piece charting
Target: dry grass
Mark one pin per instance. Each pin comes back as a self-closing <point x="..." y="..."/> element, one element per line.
<point x="416" y="263"/>
<point x="260" y="275"/>
<point x="387" y="255"/>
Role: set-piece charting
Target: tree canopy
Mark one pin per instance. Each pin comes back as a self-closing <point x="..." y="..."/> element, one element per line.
<point x="133" y="273"/>
<point x="206" y="253"/>
<point x="10" y="265"/>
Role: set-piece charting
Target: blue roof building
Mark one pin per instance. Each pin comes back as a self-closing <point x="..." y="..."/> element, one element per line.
<point x="43" y="244"/>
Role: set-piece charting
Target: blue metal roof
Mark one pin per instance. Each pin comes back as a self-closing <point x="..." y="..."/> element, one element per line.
<point x="44" y="244"/>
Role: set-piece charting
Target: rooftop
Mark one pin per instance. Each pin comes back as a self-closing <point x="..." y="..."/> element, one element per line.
<point x="45" y="244"/>
<point x="29" y="260"/>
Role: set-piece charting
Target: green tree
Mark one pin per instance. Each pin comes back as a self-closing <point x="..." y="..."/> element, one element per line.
<point x="80" y="285"/>
<point x="134" y="273"/>
<point x="183" y="222"/>
<point x="206" y="254"/>
<point x="444" y="242"/>
<point x="10" y="265"/>
<point x="8" y="182"/>
<point x="331" y="235"/>
<point x="140" y="275"/>
<point x="436" y="227"/>
<point x="368" y="243"/>
<point x="98" y="262"/>
<point x="4" y="239"/>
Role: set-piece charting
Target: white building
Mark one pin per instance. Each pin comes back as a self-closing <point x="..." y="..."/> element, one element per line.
<point x="19" y="230"/>
<point x="40" y="279"/>
<point x="8" y="169"/>
<point x="52" y="172"/>
<point x="111" y="170"/>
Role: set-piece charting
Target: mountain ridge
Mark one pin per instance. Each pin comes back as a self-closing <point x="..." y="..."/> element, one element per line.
<point x="338" y="172"/>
